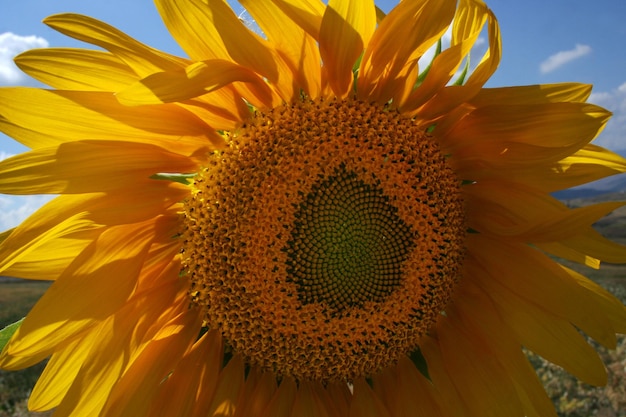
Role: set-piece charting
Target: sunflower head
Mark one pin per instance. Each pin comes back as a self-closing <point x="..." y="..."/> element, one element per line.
<point x="312" y="218"/>
<point x="324" y="247"/>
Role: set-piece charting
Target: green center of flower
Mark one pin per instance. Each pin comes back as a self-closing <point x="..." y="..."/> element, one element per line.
<point x="348" y="244"/>
<point x="325" y="240"/>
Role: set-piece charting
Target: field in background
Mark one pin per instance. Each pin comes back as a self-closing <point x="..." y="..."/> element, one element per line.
<point x="571" y="397"/>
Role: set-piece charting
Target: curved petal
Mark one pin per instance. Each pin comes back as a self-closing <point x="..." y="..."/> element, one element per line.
<point x="532" y="94"/>
<point x="588" y="248"/>
<point x="123" y="338"/>
<point x="418" y="24"/>
<point x="134" y="392"/>
<point x="514" y="211"/>
<point x="450" y="97"/>
<point x="197" y="79"/>
<point x="141" y="58"/>
<point x="611" y="305"/>
<point x="307" y="14"/>
<point x="71" y="168"/>
<point x="476" y="313"/>
<point x="184" y="388"/>
<point x="44" y="244"/>
<point x="298" y="49"/>
<point x="209" y="29"/>
<point x="587" y="164"/>
<point x="406" y="392"/>
<point x="539" y="280"/>
<point x="346" y="29"/>
<point x="107" y="269"/>
<point x="481" y="380"/>
<point x="60" y="372"/>
<point x="468" y="22"/>
<point x="76" y="69"/>
<point x="365" y="402"/>
<point x="536" y="328"/>
<point x="42" y="118"/>
<point x="496" y="136"/>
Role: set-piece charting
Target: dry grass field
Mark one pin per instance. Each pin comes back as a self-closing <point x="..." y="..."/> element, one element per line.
<point x="571" y="397"/>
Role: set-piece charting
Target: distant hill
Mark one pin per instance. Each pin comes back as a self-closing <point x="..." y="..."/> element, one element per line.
<point x="610" y="185"/>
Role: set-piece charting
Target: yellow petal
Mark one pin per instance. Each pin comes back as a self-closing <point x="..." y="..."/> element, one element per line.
<point x="87" y="166"/>
<point x="106" y="270"/>
<point x="229" y="385"/>
<point x="365" y="402"/>
<point x="406" y="392"/>
<point x="134" y="392"/>
<point x="60" y="372"/>
<point x="590" y="243"/>
<point x="347" y="27"/>
<point x="197" y="79"/>
<point x="610" y="305"/>
<point x="532" y="94"/>
<point x="467" y="26"/>
<point x="43" y="245"/>
<point x="307" y="403"/>
<point x="453" y="96"/>
<point x="76" y="69"/>
<point x="118" y="341"/>
<point x="491" y="58"/>
<point x="282" y="401"/>
<point x="512" y="210"/>
<point x="522" y="134"/>
<point x="418" y="24"/>
<point x="292" y="43"/>
<point x="141" y="58"/>
<point x="539" y="280"/>
<point x="221" y="109"/>
<point x="476" y="313"/>
<point x="587" y="164"/>
<point x="209" y="30"/>
<point x="442" y="380"/>
<point x="481" y="380"/>
<point x="187" y="386"/>
<point x="335" y="396"/>
<point x="307" y="14"/>
<point x="40" y="118"/>
<point x="259" y="389"/>
<point x="542" y="332"/>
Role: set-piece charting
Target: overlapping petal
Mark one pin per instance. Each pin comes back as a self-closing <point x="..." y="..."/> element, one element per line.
<point x="71" y="167"/>
<point x="42" y="118"/>
<point x="76" y="69"/>
<point x="293" y="45"/>
<point x="143" y="59"/>
<point x="123" y="115"/>
<point x="387" y="63"/>
<point x="353" y="22"/>
<point x="197" y="79"/>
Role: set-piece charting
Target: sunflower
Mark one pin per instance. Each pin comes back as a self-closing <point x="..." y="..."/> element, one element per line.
<point x="308" y="222"/>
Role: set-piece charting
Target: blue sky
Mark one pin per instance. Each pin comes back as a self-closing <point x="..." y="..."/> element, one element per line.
<point x="544" y="41"/>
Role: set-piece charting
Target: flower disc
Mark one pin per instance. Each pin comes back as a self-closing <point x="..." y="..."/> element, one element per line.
<point x="325" y="240"/>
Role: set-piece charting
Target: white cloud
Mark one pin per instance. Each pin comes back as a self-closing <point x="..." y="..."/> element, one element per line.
<point x="15" y="209"/>
<point x="563" y="57"/>
<point x="614" y="135"/>
<point x="10" y="46"/>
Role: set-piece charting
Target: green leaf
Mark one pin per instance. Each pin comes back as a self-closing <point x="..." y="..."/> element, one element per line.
<point x="420" y="78"/>
<point x="7" y="333"/>
<point x="461" y="79"/>
<point x="420" y="362"/>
